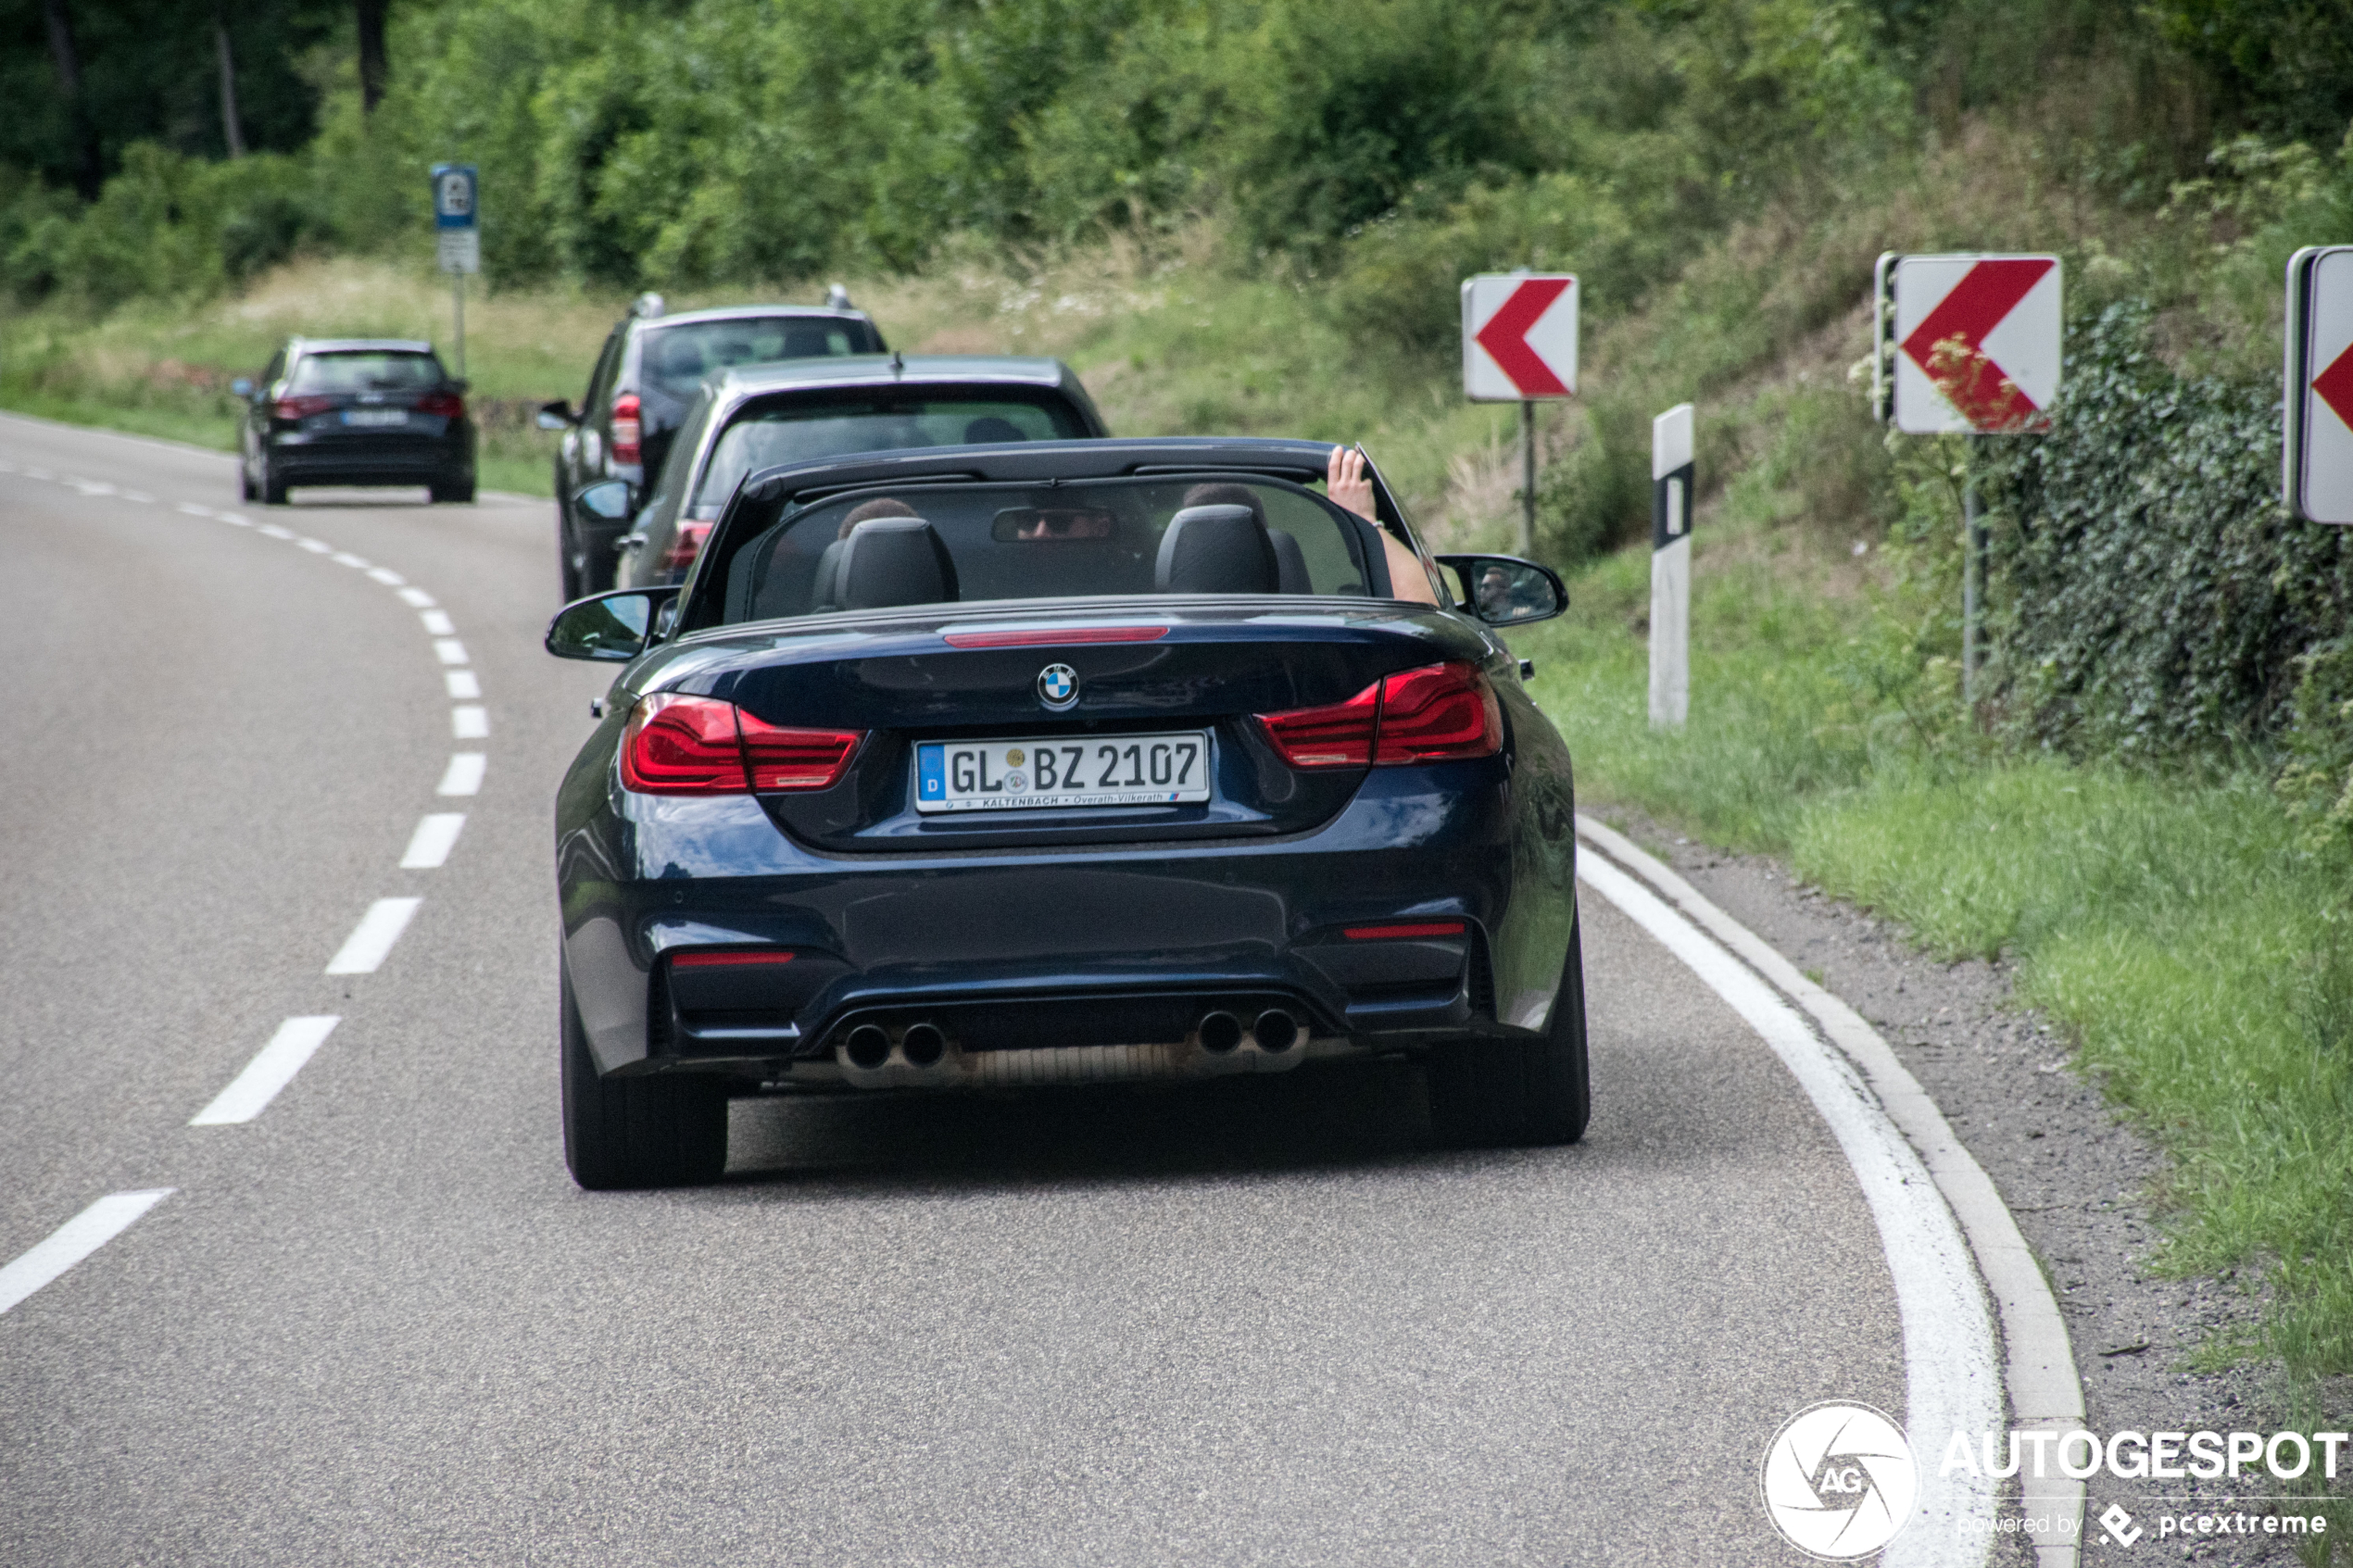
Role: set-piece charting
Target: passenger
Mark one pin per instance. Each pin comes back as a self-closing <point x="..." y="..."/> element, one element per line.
<point x="865" y="511"/>
<point x="1346" y="483"/>
<point x="991" y="429"/>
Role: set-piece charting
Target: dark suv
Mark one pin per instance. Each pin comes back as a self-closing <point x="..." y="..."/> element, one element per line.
<point x="355" y="411"/>
<point x="650" y="369"/>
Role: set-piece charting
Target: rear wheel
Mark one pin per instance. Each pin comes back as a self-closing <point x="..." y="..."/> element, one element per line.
<point x="462" y="491"/>
<point x="1494" y="1092"/>
<point x="273" y="489"/>
<point x="623" y="1133"/>
<point x="244" y="484"/>
<point x="567" y="566"/>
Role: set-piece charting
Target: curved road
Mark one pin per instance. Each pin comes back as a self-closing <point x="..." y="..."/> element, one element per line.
<point x="1259" y="1321"/>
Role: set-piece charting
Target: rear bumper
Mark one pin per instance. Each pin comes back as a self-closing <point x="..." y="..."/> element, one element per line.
<point x="298" y="460"/>
<point x="1035" y="955"/>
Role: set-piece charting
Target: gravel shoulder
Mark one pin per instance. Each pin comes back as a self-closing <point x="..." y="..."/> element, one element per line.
<point x="2079" y="1179"/>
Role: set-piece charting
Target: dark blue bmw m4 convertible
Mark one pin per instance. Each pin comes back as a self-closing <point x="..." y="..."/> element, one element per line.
<point x="1055" y="763"/>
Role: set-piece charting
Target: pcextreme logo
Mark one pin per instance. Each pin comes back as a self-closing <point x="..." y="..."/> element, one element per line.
<point x="1839" y="1480"/>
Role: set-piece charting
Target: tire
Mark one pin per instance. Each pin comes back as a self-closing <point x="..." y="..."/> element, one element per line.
<point x="273" y="489"/>
<point x="566" y="567"/>
<point x="245" y="484"/>
<point x="462" y="494"/>
<point x="622" y="1132"/>
<point x="1497" y="1093"/>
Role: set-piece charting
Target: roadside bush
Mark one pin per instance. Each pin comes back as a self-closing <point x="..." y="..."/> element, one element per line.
<point x="2158" y="599"/>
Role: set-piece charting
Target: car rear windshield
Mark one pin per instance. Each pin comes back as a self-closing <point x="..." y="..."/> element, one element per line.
<point x="365" y="371"/>
<point x="676" y="358"/>
<point x="764" y="435"/>
<point x="968" y="543"/>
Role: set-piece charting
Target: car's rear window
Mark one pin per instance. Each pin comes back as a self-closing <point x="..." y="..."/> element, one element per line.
<point x="1241" y="535"/>
<point x="676" y="358"/>
<point x="763" y="435"/>
<point x="367" y="371"/>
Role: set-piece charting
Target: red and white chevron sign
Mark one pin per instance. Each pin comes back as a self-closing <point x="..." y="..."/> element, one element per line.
<point x="1519" y="337"/>
<point x="1977" y="343"/>
<point x="2317" y="468"/>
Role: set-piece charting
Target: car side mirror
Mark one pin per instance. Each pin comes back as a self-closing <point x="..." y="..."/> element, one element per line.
<point x="613" y="626"/>
<point x="557" y="415"/>
<point x="1506" y="591"/>
<point x="459" y="384"/>
<point x="609" y="498"/>
<point x="241" y="387"/>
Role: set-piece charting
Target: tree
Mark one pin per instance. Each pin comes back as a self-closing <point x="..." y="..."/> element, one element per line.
<point x="89" y="169"/>
<point x="231" y="134"/>
<point x="374" y="70"/>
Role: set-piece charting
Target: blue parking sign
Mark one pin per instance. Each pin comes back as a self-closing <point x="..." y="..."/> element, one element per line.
<point x="453" y="195"/>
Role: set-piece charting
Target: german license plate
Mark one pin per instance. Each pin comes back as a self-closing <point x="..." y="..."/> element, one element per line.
<point x="375" y="416"/>
<point x="1013" y="775"/>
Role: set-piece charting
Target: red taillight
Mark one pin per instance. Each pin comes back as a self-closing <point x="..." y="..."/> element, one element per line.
<point x="1437" y="713"/>
<point x="701" y="746"/>
<point x="782" y="759"/>
<point x="447" y="404"/>
<point x="626" y="429"/>
<point x="295" y="408"/>
<point x="684" y="546"/>
<point x="1339" y="735"/>
<point x="683" y="746"/>
<point x="729" y="961"/>
<point x="1404" y="931"/>
<point x="1053" y="637"/>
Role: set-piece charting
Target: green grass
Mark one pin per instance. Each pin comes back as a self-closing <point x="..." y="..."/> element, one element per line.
<point x="2201" y="960"/>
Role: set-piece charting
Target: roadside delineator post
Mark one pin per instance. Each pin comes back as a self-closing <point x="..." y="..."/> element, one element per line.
<point x="1967" y="345"/>
<point x="1671" y="471"/>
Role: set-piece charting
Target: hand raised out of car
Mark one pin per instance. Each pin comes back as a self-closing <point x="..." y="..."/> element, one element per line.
<point x="1346" y="483"/>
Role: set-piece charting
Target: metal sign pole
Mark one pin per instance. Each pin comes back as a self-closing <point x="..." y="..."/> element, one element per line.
<point x="458" y="297"/>
<point x="1526" y="478"/>
<point x="1972" y="573"/>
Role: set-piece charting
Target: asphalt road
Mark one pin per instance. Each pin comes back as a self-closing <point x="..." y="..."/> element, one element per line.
<point x="1258" y="1322"/>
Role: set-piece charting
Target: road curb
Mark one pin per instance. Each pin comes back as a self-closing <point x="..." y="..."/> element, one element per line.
<point x="2043" y="1389"/>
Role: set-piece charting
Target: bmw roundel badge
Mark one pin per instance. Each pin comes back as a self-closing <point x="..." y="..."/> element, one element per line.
<point x="1058" y="687"/>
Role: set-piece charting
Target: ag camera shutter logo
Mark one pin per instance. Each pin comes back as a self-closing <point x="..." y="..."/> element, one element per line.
<point x="1839" y="1480"/>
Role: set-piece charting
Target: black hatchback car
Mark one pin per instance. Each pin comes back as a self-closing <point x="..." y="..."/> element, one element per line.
<point x="364" y="411"/>
<point x="652" y="366"/>
<point x="1061" y="762"/>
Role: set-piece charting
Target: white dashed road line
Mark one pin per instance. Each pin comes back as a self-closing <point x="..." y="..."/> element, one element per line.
<point x="344" y="558"/>
<point x="464" y="774"/>
<point x="416" y="598"/>
<point x="364" y="951"/>
<point x="429" y="847"/>
<point x="438" y="622"/>
<point x="75" y="1240"/>
<point x="450" y="650"/>
<point x="386" y="576"/>
<point x="268" y="1073"/>
<point x="463" y="687"/>
<point x="470" y="723"/>
<point x="274" y="532"/>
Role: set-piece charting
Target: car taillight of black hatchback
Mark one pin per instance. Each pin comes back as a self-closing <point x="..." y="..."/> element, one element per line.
<point x="1437" y="713"/>
<point x="680" y="744"/>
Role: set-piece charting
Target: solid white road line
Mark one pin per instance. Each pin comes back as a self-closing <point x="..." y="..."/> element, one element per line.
<point x="450" y="650"/>
<point x="464" y="774"/>
<point x="371" y="941"/>
<point x="2044" y="1389"/>
<point x="470" y="723"/>
<point x="463" y="687"/>
<point x="386" y="576"/>
<point x="437" y="621"/>
<point x="75" y="1240"/>
<point x="268" y="1073"/>
<point x="429" y="847"/>
<point x="417" y="598"/>
<point x="1951" y="1378"/>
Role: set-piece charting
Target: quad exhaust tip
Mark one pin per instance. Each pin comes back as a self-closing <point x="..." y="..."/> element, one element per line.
<point x="922" y="1044"/>
<point x="1220" y="1033"/>
<point x="868" y="1047"/>
<point x="1276" y="1031"/>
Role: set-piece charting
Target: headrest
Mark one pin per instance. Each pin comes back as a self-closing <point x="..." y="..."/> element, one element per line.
<point x="680" y="355"/>
<point x="893" y="560"/>
<point x="992" y="430"/>
<point x="1215" y="550"/>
